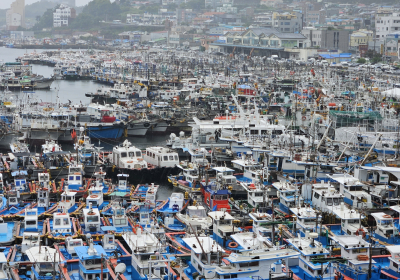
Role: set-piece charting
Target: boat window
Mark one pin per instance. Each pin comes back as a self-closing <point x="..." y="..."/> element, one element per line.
<point x="123" y="154"/>
<point x="176" y="157"/>
<point x="57" y="222"/>
<point x="165" y="158"/>
<point x="31" y="238"/>
<point x="75" y="243"/>
<point x="111" y="240"/>
<point x="131" y="154"/>
<point x="118" y="222"/>
<point x="316" y="195"/>
<point x="253" y="132"/>
<point x="329" y="201"/>
<point x="247" y="264"/>
<point x="71" y="178"/>
<point x="78" y="178"/>
<point x="30" y="223"/>
<point x="224" y="222"/>
<point x="353" y="221"/>
<point x="138" y="154"/>
<point x="197" y="213"/>
<point x="145" y="216"/>
<point x="66" y="221"/>
<point x="336" y="201"/>
<point x="92" y="219"/>
<point x="258" y="194"/>
<point x="171" y="157"/>
<point x="355" y="188"/>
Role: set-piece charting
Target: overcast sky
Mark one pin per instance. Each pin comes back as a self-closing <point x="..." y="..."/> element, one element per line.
<point x="5" y="4"/>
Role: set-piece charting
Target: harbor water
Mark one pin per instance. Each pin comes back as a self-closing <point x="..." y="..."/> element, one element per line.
<point x="74" y="91"/>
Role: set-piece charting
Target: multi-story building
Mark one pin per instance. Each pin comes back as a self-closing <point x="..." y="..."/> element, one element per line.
<point x="213" y="4"/>
<point x="328" y="38"/>
<point x="315" y="17"/>
<point x="15" y="16"/>
<point x="386" y="22"/>
<point x="63" y="15"/>
<point x="261" y="42"/>
<point x="227" y="8"/>
<point x="287" y="22"/>
<point x="185" y="15"/>
<point x="360" y="37"/>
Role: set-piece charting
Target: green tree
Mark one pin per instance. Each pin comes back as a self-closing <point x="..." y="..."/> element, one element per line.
<point x="46" y="20"/>
<point x="361" y="60"/>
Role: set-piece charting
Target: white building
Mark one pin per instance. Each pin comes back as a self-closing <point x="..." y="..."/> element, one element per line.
<point x="62" y="15"/>
<point x="386" y="23"/>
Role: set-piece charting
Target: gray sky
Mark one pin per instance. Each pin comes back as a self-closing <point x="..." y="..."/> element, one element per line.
<point x="5" y="4"/>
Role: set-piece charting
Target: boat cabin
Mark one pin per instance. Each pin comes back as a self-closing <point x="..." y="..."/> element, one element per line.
<point x="385" y="228"/>
<point x="222" y="226"/>
<point x="394" y="258"/>
<point x="31" y="219"/>
<point x="144" y="260"/>
<point x="309" y="249"/>
<point x="353" y="190"/>
<point x="71" y="244"/>
<point x="325" y="197"/>
<point x="108" y="242"/>
<point x="305" y="219"/>
<point x="61" y="223"/>
<point x="30" y="239"/>
<point x="43" y="193"/>
<point x="176" y="201"/>
<point x="257" y="194"/>
<point x="1" y="182"/>
<point x="196" y="216"/>
<point x="91" y="218"/>
<point x="128" y="156"/>
<point x="161" y="157"/>
<point x="20" y="184"/>
<point x="75" y="181"/>
<point x="13" y="198"/>
<point x="289" y="195"/>
<point x="67" y="200"/>
<point x="204" y="263"/>
<point x="151" y="195"/>
<point x="355" y="249"/>
<point x="350" y="219"/>
<point x="45" y="262"/>
<point x="122" y="182"/>
<point x="91" y="261"/>
<point x="119" y="218"/>
<point x="265" y="264"/>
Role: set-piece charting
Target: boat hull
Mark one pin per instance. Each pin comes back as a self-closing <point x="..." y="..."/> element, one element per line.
<point x="105" y="131"/>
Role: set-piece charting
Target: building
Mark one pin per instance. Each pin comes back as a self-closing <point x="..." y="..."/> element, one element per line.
<point x="385" y="23"/>
<point x="15" y="16"/>
<point x="177" y="39"/>
<point x="213" y="4"/>
<point x="261" y="42"/>
<point x="315" y="17"/>
<point x="22" y="35"/>
<point x="63" y="15"/>
<point x="328" y="38"/>
<point x="360" y="37"/>
<point x="227" y="8"/>
<point x="185" y="15"/>
<point x="287" y="22"/>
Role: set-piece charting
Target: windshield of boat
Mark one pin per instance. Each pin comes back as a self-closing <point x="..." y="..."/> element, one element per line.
<point x="92" y="219"/>
<point x="197" y="213"/>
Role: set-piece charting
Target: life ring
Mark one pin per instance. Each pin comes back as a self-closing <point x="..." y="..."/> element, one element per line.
<point x="304" y="118"/>
<point x="232" y="245"/>
<point x="139" y="159"/>
<point x="94" y="196"/>
<point x="361" y="231"/>
<point x="386" y="216"/>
